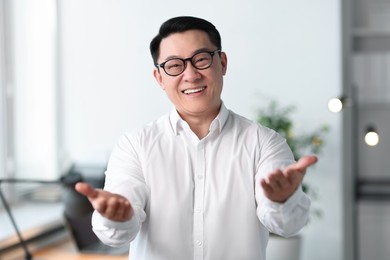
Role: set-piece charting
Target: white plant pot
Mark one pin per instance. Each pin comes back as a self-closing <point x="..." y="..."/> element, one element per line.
<point x="280" y="248"/>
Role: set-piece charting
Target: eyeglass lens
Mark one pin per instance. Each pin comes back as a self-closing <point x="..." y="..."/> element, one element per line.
<point x="200" y="61"/>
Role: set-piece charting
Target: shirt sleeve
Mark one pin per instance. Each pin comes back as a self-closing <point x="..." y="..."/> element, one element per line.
<point x="124" y="176"/>
<point x="113" y="233"/>
<point x="288" y="218"/>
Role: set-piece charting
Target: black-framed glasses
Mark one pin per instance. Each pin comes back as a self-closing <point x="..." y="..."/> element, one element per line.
<point x="176" y="66"/>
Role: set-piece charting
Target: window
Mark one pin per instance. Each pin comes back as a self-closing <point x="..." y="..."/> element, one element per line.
<point x="2" y="93"/>
<point x="30" y="139"/>
<point x="35" y="88"/>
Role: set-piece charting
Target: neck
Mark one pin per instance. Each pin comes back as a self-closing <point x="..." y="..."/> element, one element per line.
<point x="200" y="125"/>
<point x="201" y="131"/>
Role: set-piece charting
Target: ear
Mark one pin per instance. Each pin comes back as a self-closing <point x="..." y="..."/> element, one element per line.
<point x="157" y="76"/>
<point x="223" y="62"/>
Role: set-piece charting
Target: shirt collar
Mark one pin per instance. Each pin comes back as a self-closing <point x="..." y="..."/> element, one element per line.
<point x="178" y="123"/>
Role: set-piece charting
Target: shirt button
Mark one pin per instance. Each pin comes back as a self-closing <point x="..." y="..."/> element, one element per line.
<point x="199" y="243"/>
<point x="198" y="210"/>
<point x="199" y="177"/>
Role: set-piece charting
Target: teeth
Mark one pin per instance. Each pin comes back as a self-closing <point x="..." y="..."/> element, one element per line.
<point x="191" y="91"/>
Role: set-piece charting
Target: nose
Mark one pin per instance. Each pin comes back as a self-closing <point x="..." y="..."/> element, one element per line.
<point x="190" y="73"/>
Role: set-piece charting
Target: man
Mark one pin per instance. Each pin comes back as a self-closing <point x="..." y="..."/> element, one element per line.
<point x="201" y="182"/>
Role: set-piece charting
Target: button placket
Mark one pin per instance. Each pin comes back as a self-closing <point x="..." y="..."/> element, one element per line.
<point x="199" y="201"/>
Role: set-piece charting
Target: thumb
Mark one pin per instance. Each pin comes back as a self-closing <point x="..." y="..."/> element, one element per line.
<point x="86" y="190"/>
<point x="303" y="163"/>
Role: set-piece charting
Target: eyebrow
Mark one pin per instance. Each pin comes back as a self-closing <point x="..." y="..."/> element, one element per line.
<point x="195" y="52"/>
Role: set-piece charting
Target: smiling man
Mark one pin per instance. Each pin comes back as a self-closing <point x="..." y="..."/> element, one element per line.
<point x="196" y="93"/>
<point x="200" y="182"/>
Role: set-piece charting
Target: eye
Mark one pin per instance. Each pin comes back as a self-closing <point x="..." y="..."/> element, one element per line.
<point x="174" y="64"/>
<point x="201" y="59"/>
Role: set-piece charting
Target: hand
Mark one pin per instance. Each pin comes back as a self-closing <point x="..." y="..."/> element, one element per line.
<point x="112" y="206"/>
<point x="280" y="185"/>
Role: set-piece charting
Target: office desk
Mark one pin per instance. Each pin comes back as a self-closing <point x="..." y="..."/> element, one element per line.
<point x="66" y="250"/>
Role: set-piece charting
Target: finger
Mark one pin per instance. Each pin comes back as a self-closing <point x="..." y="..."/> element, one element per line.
<point x="283" y="182"/>
<point x="266" y="187"/>
<point x="277" y="180"/>
<point x="128" y="212"/>
<point x="118" y="209"/>
<point x="302" y="163"/>
<point x="100" y="204"/>
<point x="123" y="210"/>
<point x="113" y="206"/>
<point x="272" y="180"/>
<point x="86" y="190"/>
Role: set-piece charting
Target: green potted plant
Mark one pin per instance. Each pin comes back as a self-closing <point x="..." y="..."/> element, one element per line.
<point x="278" y="118"/>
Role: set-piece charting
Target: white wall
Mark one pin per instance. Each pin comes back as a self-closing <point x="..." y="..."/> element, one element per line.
<point x="2" y="94"/>
<point x="31" y="88"/>
<point x="288" y="50"/>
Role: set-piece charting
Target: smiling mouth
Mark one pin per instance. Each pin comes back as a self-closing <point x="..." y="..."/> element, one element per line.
<point x="192" y="91"/>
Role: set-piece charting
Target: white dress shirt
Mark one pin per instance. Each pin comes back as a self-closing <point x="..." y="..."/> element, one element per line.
<point x="199" y="199"/>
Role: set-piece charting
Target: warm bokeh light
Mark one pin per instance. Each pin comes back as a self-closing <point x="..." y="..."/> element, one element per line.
<point x="335" y="105"/>
<point x="371" y="138"/>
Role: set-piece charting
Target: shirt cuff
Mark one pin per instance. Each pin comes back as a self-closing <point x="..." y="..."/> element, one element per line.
<point x="288" y="205"/>
<point x="100" y="222"/>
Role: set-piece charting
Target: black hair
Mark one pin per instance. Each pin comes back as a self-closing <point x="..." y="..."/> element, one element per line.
<point x="182" y="24"/>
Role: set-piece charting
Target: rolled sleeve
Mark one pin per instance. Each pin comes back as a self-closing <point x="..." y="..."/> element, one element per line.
<point x="115" y="233"/>
<point x="288" y="218"/>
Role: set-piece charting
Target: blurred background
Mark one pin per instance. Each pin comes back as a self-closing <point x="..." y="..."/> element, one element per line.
<point x="76" y="74"/>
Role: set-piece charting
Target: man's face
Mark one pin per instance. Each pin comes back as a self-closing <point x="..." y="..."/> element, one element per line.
<point x="204" y="97"/>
